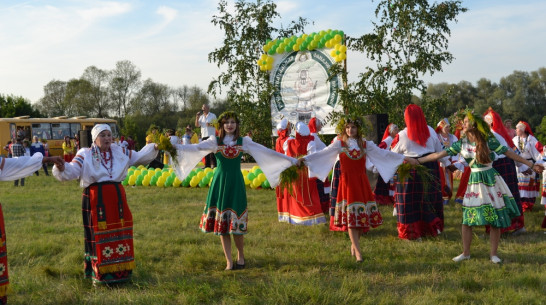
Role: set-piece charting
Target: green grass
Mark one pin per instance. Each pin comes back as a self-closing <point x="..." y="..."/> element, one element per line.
<point x="177" y="264"/>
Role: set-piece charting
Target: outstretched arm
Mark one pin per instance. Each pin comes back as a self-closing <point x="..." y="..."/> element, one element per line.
<point x="512" y="155"/>
<point x="432" y="157"/>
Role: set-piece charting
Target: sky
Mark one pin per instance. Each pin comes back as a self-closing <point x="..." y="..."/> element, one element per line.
<point x="169" y="41"/>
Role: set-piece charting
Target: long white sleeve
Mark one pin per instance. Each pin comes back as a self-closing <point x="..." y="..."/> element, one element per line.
<point x="385" y="161"/>
<point x="321" y="162"/>
<point x="17" y="168"/>
<point x="188" y="156"/>
<point x="270" y="162"/>
<point x="144" y="156"/>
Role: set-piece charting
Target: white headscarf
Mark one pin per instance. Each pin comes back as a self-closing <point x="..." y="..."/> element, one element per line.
<point x="98" y="129"/>
<point x="282" y="124"/>
<point x="302" y="129"/>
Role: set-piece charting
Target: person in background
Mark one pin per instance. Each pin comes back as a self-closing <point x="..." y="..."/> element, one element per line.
<point x="315" y="126"/>
<point x="38" y="147"/>
<point x="529" y="148"/>
<point x="443" y="130"/>
<point x="130" y="143"/>
<point x="68" y="149"/>
<point x="384" y="189"/>
<point x="511" y="131"/>
<point x="8" y="148"/>
<point x="107" y="219"/>
<point x="123" y="143"/>
<point x="46" y="147"/>
<point x="204" y="119"/>
<point x="189" y="136"/>
<point x="77" y="142"/>
<point x="26" y="146"/>
<point x="17" y="150"/>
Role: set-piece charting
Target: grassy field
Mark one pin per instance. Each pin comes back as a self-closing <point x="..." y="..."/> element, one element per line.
<point x="177" y="264"/>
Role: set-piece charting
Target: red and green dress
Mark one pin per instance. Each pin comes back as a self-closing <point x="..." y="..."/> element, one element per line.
<point x="355" y="204"/>
<point x="225" y="211"/>
<point x="488" y="200"/>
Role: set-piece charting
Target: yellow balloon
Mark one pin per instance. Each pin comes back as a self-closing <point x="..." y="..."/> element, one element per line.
<point x="333" y="53"/>
<point x="342" y="56"/>
<point x="244" y="172"/>
<point x="160" y="182"/>
<point x="208" y="170"/>
<point x="254" y="168"/>
<point x="157" y="170"/>
<point x="137" y="172"/>
<point x="261" y="177"/>
<point x="269" y="60"/>
<point x="343" y="48"/>
<point x="200" y="175"/>
<point x="296" y="47"/>
<point x="253" y="186"/>
<point x="256" y="182"/>
<point x="247" y="181"/>
<point x="194" y="182"/>
<point x="337" y="38"/>
<point x="146" y="182"/>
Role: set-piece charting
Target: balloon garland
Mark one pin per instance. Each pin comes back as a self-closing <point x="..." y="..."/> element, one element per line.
<point x="330" y="39"/>
<point x="198" y="177"/>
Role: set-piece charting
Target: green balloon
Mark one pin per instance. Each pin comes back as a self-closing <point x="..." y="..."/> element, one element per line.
<point x="251" y="176"/>
<point x="185" y="183"/>
<point x="153" y="181"/>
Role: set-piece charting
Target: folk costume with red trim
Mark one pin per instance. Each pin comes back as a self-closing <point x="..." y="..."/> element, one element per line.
<point x="303" y="206"/>
<point x="107" y="219"/>
<point x="446" y="176"/>
<point x="355" y="204"/>
<point x="529" y="148"/>
<point x="384" y="191"/>
<point x="420" y="210"/>
<point x="505" y="166"/>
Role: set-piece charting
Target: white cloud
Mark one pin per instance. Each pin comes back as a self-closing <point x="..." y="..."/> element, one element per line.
<point x="103" y="10"/>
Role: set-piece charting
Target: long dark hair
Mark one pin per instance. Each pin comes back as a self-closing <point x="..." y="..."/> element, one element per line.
<point x="482" y="150"/>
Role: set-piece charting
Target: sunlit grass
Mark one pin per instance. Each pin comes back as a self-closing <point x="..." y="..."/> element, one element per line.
<point x="177" y="264"/>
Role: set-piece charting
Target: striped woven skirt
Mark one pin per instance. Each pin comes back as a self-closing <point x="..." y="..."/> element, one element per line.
<point x="108" y="229"/>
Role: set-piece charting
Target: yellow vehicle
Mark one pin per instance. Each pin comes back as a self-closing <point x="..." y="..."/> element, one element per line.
<point x="51" y="129"/>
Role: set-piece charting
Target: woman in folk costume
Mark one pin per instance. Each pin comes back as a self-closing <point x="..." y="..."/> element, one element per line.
<point x="506" y="167"/>
<point x="303" y="205"/>
<point x="356" y="210"/>
<point x="419" y="209"/>
<point x="284" y="128"/>
<point x="225" y="212"/>
<point x="462" y="166"/>
<point x="315" y="125"/>
<point x="384" y="192"/>
<point x="107" y="219"/>
<point x="13" y="169"/>
<point x="530" y="148"/>
<point x="446" y="176"/>
<point x="488" y="200"/>
<point x="323" y="187"/>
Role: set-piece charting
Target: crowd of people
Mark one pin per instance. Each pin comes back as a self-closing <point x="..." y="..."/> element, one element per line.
<point x="498" y="180"/>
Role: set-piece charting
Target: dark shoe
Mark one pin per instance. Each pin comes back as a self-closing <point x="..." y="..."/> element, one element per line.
<point x="239" y="266"/>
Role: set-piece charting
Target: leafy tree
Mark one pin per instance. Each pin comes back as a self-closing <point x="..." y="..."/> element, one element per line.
<point x="99" y="91"/>
<point x="13" y="106"/>
<point x="153" y="98"/>
<point x="409" y="40"/>
<point x="124" y="83"/>
<point x="52" y="103"/>
<point x="78" y="99"/>
<point x="246" y="28"/>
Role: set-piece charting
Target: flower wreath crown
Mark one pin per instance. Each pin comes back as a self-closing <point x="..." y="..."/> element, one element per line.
<point x="225" y="115"/>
